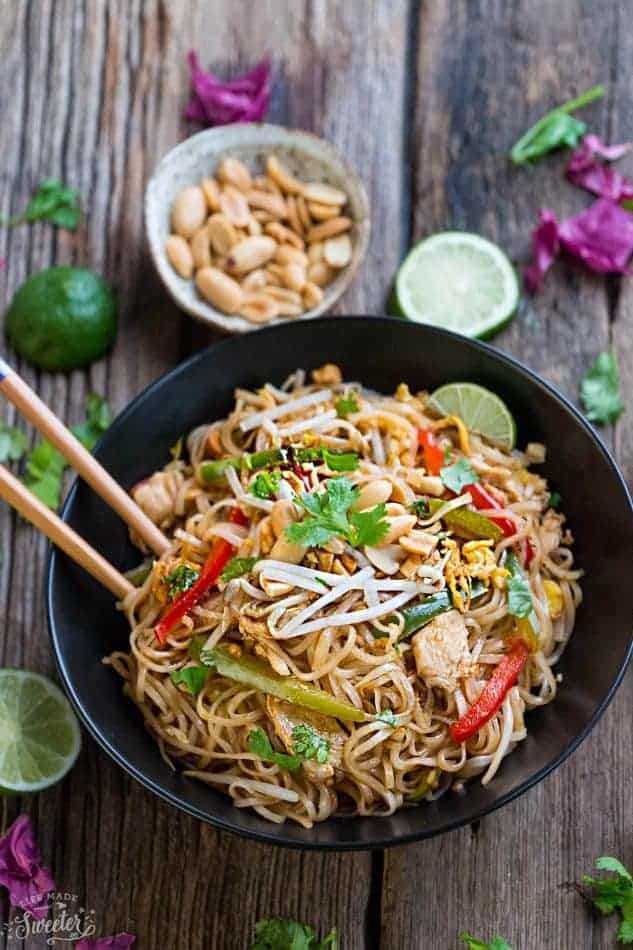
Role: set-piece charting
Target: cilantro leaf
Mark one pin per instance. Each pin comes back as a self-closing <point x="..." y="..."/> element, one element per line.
<point x="459" y="475"/>
<point x="346" y="405"/>
<point x="237" y="567"/>
<point x="419" y="507"/>
<point x="45" y="466"/>
<point x="279" y="933"/>
<point x="13" y="443"/>
<point x="309" y="744"/>
<point x="600" y="390"/>
<point x="265" y="484"/>
<point x="339" y="461"/>
<point x="52" y="201"/>
<point x="554" y="130"/>
<point x="498" y="943"/>
<point x="181" y="579"/>
<point x="194" y="677"/>
<point x="259" y="744"/>
<point x="329" y="515"/>
<point x="614" y="893"/>
<point x="387" y="716"/>
<point x="519" y="593"/>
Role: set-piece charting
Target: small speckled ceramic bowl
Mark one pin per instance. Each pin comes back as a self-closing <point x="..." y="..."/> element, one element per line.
<point x="307" y="157"/>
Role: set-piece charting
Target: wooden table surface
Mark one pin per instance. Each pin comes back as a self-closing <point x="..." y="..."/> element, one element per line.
<point x="424" y="100"/>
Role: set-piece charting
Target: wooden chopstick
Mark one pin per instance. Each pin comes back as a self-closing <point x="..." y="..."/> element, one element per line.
<point x="31" y="508"/>
<point x="33" y="409"/>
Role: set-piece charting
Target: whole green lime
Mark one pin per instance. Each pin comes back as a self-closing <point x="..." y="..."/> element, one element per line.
<point x="62" y="318"/>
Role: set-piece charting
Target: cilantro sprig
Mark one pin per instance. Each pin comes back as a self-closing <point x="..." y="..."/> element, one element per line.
<point x="53" y="202"/>
<point x="329" y="514"/>
<point x="13" y="443"/>
<point x="280" y="933"/>
<point x="497" y="943"/>
<point x="519" y="593"/>
<point x="614" y="893"/>
<point x="600" y="390"/>
<point x="260" y="745"/>
<point x="458" y="475"/>
<point x="554" y="130"/>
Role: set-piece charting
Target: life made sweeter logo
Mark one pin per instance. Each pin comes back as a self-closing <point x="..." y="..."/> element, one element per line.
<point x="65" y="923"/>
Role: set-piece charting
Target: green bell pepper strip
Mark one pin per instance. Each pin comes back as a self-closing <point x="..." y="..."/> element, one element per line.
<point x="418" y="615"/>
<point x="251" y="461"/>
<point x="253" y="672"/>
<point x="467" y="523"/>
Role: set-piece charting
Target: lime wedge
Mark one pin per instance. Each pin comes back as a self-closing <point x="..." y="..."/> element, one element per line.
<point x="458" y="281"/>
<point x="39" y="732"/>
<point x="481" y="411"/>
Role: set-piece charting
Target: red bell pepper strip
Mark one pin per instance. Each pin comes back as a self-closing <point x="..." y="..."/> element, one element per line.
<point x="493" y="693"/>
<point x="483" y="498"/>
<point x="217" y="559"/>
<point x="432" y="451"/>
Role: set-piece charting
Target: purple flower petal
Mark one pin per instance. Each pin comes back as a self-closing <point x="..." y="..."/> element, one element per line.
<point x="119" y="942"/>
<point x="585" y="169"/>
<point x="22" y="871"/>
<point x="601" y="236"/>
<point x="213" y="102"/>
<point x="545" y="250"/>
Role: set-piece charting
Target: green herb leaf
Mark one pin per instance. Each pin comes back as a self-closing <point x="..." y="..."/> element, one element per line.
<point x="498" y="943"/>
<point x="279" y="933"/>
<point x="176" y="449"/>
<point x="13" y="443"/>
<point x="52" y="201"/>
<point x="554" y="130"/>
<point x="265" y="484"/>
<point x="389" y="717"/>
<point x="45" y="466"/>
<point x="237" y="567"/>
<point x="419" y="507"/>
<point x="600" y="390"/>
<point x="346" y="405"/>
<point x="329" y="515"/>
<point x="309" y="744"/>
<point x="519" y="593"/>
<point x="614" y="893"/>
<point x="259" y="744"/>
<point x="458" y="476"/>
<point x="181" y="579"/>
<point x="555" y="500"/>
<point x="194" y="677"/>
<point x="340" y="461"/>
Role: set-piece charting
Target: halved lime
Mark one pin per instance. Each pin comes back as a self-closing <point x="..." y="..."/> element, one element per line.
<point x="458" y="281"/>
<point x="39" y="732"/>
<point x="481" y="411"/>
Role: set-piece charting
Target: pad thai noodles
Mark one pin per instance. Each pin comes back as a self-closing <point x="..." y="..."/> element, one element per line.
<point x="361" y="601"/>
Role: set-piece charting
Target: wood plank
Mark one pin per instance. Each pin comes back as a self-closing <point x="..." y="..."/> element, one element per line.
<point x="485" y="73"/>
<point x="97" y="95"/>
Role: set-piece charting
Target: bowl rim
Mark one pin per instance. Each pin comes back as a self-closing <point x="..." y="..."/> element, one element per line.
<point x="276" y="835"/>
<point x="203" y="311"/>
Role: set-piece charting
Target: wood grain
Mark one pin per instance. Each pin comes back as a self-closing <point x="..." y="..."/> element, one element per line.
<point x="97" y="93"/>
<point x="486" y="71"/>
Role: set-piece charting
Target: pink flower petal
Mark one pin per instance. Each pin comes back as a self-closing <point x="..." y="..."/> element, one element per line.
<point x="545" y="250"/>
<point x="585" y="169"/>
<point x="22" y="871"/>
<point x="213" y="102"/>
<point x="119" y="942"/>
<point x="601" y="236"/>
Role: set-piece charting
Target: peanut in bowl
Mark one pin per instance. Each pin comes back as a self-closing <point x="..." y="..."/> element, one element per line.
<point x="252" y="224"/>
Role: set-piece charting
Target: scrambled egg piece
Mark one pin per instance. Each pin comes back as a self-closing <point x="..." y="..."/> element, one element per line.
<point x="441" y="651"/>
<point x="476" y="560"/>
<point x="554" y="598"/>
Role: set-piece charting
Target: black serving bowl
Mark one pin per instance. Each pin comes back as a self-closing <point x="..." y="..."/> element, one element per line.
<point x="85" y="625"/>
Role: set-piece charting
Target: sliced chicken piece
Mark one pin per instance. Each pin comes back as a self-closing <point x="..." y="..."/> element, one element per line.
<point x="285" y="717"/>
<point x="441" y="651"/>
<point x="156" y="496"/>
